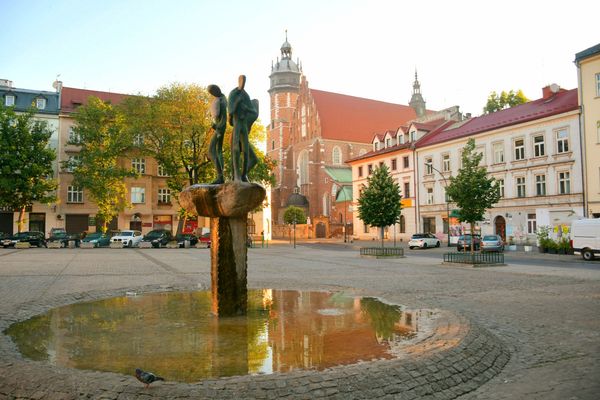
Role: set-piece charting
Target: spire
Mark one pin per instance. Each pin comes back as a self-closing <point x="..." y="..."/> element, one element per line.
<point x="416" y="101"/>
<point x="286" y="48"/>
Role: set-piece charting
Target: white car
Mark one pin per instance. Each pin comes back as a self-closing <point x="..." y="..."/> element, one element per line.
<point x="423" y="240"/>
<point x="128" y="238"/>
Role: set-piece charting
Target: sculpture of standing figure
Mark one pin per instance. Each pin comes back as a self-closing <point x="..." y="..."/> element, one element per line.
<point x="242" y="114"/>
<point x="218" y="110"/>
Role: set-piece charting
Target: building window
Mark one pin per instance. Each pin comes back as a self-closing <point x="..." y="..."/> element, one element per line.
<point x="538" y="146"/>
<point x="429" y="195"/>
<point x="598" y="85"/>
<point x="446" y="162"/>
<point x="164" y="196"/>
<point x="336" y="156"/>
<point x="521" y="186"/>
<point x="326" y="204"/>
<point x="360" y="172"/>
<point x="74" y="194"/>
<point x="498" y="149"/>
<point x="9" y="100"/>
<point x="40" y="103"/>
<point x="365" y="228"/>
<point x="428" y="166"/>
<point x="402" y="222"/>
<point x="564" y="182"/>
<point x="370" y="168"/>
<point x="562" y="141"/>
<point x="540" y="185"/>
<point x="138" y="139"/>
<point x="400" y="138"/>
<point x="388" y="142"/>
<point x="429" y="225"/>
<point x="376" y="146"/>
<point x="394" y="164"/>
<point x="406" y="190"/>
<point x="519" y="149"/>
<point x="531" y="224"/>
<point x="161" y="171"/>
<point x="138" y="195"/>
<point x="74" y="137"/>
<point x="500" y="183"/>
<point x="272" y="145"/>
<point x="138" y="165"/>
<point x="73" y="162"/>
<point x="303" y="122"/>
<point x="303" y="166"/>
<point x="405" y="162"/>
<point x="413" y="136"/>
<point x="597" y="131"/>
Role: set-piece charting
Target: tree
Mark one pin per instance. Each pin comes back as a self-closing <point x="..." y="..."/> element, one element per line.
<point x="25" y="162"/>
<point x="294" y="214"/>
<point x="497" y="102"/>
<point x="379" y="201"/>
<point x="471" y="189"/>
<point x="104" y="139"/>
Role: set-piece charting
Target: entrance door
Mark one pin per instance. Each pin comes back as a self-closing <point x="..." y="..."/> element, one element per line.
<point x="76" y="223"/>
<point x="6" y="222"/>
<point x="37" y="222"/>
<point x="320" y="230"/>
<point x="500" y="225"/>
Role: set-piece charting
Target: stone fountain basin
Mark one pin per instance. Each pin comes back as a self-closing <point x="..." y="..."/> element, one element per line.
<point x="230" y="200"/>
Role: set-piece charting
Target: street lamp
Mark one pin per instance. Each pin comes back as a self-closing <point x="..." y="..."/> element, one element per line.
<point x="446" y="197"/>
<point x="294" y="231"/>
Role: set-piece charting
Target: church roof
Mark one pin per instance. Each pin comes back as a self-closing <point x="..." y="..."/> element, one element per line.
<point x="345" y="194"/>
<point x="340" y="174"/>
<point x="561" y="102"/>
<point x="355" y="119"/>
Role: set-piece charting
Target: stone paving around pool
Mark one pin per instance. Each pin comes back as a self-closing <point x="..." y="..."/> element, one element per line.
<point x="510" y="332"/>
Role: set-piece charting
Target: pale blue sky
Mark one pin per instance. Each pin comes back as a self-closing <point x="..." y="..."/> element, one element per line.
<point x="462" y="49"/>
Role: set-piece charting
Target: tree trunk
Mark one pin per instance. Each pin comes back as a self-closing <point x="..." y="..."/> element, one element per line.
<point x="472" y="237"/>
<point x="21" y="221"/>
<point x="381" y="235"/>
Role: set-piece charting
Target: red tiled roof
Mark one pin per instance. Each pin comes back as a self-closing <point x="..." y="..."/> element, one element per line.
<point x="428" y="126"/>
<point x="355" y="119"/>
<point x="563" y="101"/>
<point x="71" y="98"/>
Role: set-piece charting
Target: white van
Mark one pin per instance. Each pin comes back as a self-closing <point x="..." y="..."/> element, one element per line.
<point x="585" y="237"/>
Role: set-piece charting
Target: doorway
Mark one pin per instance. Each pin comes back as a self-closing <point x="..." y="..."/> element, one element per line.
<point x="500" y="225"/>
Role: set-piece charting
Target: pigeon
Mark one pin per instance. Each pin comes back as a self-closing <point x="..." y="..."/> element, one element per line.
<point x="147" y="377"/>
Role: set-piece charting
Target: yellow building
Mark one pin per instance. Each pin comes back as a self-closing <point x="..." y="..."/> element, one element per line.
<point x="588" y="74"/>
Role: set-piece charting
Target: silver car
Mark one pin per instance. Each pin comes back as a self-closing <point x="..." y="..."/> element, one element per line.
<point x="492" y="243"/>
<point x="423" y="240"/>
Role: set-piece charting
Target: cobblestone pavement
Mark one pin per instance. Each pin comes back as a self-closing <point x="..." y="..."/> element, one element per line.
<point x="526" y="332"/>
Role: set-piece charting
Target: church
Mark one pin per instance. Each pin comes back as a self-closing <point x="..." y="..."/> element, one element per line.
<point x="312" y="134"/>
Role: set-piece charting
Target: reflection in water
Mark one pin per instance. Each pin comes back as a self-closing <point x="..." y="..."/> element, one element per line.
<point x="176" y="336"/>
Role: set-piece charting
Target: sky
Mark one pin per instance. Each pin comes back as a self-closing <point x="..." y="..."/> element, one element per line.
<point x="462" y="50"/>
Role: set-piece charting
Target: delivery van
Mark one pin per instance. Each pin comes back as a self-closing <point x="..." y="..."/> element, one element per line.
<point x="585" y="237"/>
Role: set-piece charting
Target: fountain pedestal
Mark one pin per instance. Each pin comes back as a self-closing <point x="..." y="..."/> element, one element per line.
<point x="228" y="206"/>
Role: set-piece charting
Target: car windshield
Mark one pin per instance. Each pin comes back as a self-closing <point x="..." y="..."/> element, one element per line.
<point x="21" y="235"/>
<point x="418" y="236"/>
<point x="59" y="234"/>
<point x="154" y="234"/>
<point x="126" y="233"/>
<point x="490" y="237"/>
<point x="94" y="236"/>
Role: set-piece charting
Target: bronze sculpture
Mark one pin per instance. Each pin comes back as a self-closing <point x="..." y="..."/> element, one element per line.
<point x="242" y="114"/>
<point x="218" y="110"/>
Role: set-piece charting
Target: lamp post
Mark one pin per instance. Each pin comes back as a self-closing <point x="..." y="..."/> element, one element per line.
<point x="294" y="231"/>
<point x="447" y="202"/>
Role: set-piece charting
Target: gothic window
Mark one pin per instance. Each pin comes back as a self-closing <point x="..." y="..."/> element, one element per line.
<point x="303" y="168"/>
<point x="326" y="203"/>
<point x="303" y="122"/>
<point x="336" y="156"/>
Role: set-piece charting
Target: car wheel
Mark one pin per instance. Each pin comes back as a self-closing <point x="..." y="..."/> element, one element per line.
<point x="437" y="244"/>
<point x="424" y="245"/>
<point x="587" y="254"/>
<point x="130" y="244"/>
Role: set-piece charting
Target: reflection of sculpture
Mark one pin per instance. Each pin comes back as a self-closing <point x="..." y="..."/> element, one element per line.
<point x="242" y="114"/>
<point x="218" y="110"/>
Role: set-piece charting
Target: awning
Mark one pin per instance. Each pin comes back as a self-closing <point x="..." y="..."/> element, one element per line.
<point x="455" y="213"/>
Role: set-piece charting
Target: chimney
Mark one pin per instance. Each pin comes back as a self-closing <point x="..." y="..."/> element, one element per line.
<point x="6" y="83"/>
<point x="550" y="90"/>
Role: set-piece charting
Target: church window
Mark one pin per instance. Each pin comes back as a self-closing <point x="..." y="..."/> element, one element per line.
<point x="326" y="203"/>
<point x="336" y="156"/>
<point x="303" y="120"/>
<point x="303" y="168"/>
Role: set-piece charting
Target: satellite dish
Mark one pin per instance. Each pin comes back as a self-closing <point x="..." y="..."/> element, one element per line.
<point x="554" y="88"/>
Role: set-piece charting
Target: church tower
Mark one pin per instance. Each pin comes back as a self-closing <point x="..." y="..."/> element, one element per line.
<point x="284" y="89"/>
<point x="416" y="101"/>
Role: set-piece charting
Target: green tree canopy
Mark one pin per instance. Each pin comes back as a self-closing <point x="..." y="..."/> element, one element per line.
<point x="293" y="213"/>
<point x="504" y="100"/>
<point x="104" y="140"/>
<point x="379" y="201"/>
<point x="25" y="162"/>
<point x="471" y="189"/>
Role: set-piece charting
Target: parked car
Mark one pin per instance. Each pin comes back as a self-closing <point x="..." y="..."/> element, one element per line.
<point x="3" y="236"/>
<point x="129" y="238"/>
<point x="64" y="238"/>
<point x="182" y="237"/>
<point x="98" y="239"/>
<point x="464" y="242"/>
<point x="492" y="243"/>
<point x="423" y="240"/>
<point x="205" y="239"/>
<point x="585" y="238"/>
<point x="33" y="238"/>
<point x="158" y="237"/>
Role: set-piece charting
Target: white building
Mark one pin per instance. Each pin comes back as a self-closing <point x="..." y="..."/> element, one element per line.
<point x="533" y="150"/>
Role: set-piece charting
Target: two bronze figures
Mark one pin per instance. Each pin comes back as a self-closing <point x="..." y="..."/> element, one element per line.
<point x="242" y="114"/>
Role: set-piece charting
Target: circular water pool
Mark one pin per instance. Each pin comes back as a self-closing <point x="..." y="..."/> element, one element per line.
<point x="175" y="335"/>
